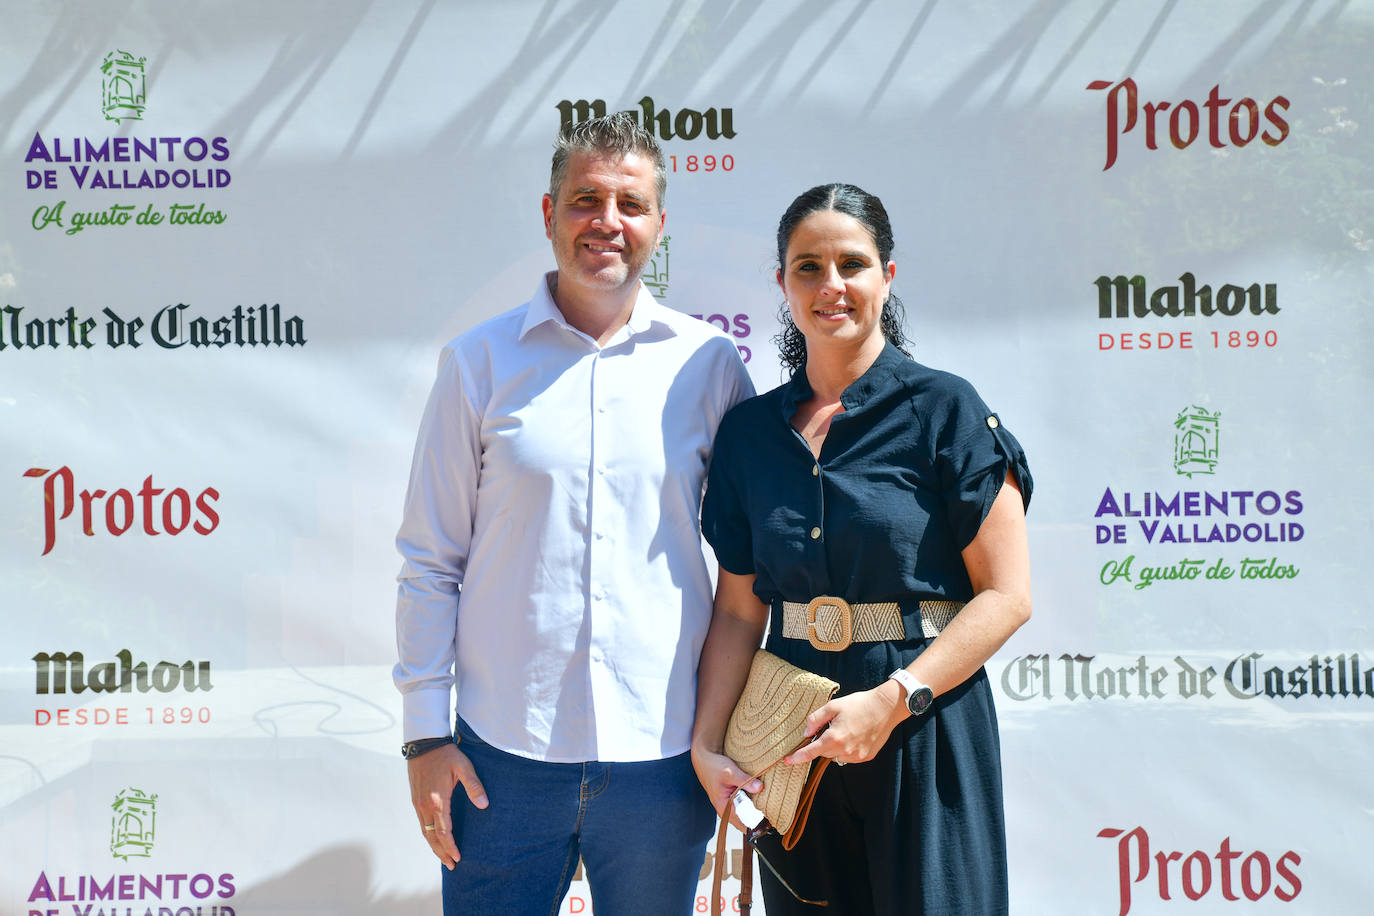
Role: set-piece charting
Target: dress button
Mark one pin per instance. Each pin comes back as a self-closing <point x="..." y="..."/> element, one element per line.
<point x="815" y="533"/>
<point x="992" y="422"/>
<point x="815" y="470"/>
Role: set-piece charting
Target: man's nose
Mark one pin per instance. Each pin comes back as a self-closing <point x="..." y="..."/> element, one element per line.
<point x="609" y="217"/>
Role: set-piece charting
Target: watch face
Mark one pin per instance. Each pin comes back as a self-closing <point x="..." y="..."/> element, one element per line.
<point x="920" y="700"/>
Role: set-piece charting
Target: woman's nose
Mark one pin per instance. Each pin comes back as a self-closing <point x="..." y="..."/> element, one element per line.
<point x="831" y="281"/>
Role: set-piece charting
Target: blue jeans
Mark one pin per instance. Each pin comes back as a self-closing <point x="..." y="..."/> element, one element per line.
<point x="640" y="828"/>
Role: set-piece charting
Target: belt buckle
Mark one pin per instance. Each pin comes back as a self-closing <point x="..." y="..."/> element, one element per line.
<point x="846" y="623"/>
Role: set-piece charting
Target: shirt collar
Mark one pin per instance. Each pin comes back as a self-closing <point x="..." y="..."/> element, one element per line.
<point x="541" y="307"/>
<point x="647" y="313"/>
<point x="873" y="381"/>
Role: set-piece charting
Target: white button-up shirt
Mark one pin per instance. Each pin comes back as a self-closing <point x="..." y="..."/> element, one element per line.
<point x="551" y="538"/>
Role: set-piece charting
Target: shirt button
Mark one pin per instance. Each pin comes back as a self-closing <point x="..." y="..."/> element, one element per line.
<point x="992" y="422"/>
<point x="815" y="533"/>
<point x="815" y="470"/>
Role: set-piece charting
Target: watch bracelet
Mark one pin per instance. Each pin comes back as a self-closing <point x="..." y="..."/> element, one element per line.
<point x="412" y="749"/>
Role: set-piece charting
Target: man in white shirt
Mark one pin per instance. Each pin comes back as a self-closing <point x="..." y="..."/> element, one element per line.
<point x="553" y="570"/>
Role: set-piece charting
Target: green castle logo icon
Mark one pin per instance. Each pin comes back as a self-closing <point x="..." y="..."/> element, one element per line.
<point x="123" y="87"/>
<point x="1197" y="441"/>
<point x="133" y="828"/>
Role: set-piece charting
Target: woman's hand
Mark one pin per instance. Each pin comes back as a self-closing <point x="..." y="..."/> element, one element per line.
<point x="855" y="726"/>
<point x="736" y="627"/>
<point x="720" y="777"/>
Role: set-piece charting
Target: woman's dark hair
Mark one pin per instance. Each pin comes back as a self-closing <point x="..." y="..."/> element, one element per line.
<point x="868" y="211"/>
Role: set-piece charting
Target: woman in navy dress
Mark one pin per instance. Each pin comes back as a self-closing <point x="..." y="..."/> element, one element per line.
<point x="870" y="481"/>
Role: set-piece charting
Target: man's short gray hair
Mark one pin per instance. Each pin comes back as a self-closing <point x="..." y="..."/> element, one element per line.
<point x="616" y="134"/>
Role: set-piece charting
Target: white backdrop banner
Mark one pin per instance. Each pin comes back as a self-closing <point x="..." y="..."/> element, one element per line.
<point x="234" y="236"/>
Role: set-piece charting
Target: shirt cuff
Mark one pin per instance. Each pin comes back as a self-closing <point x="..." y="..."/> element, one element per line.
<point x="426" y="714"/>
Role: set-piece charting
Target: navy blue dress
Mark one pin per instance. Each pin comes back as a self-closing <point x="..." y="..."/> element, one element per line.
<point x="906" y="475"/>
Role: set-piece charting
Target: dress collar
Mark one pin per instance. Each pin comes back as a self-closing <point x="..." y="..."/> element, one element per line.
<point x="874" y="380"/>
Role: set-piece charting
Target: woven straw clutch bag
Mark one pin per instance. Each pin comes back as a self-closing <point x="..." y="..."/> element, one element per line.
<point x="768" y="724"/>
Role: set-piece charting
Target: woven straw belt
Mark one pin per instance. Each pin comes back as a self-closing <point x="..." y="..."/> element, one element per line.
<point x="831" y="624"/>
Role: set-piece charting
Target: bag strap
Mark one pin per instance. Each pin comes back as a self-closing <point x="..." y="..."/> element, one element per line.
<point x="808" y="795"/>
<point x="746" y="879"/>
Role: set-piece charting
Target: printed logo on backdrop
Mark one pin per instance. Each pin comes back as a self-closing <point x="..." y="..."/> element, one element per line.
<point x="143" y="170"/>
<point x="119" y="692"/>
<point x="153" y="511"/>
<point x="189" y="166"/>
<point x="1172" y="311"/>
<point x="1227" y="124"/>
<point x="133" y="828"/>
<point x="90" y="890"/>
<point x="578" y="903"/>
<point x="736" y="326"/>
<point x="124" y="89"/>
<point x="1197" y="442"/>
<point x="1251" y="524"/>
<point x="655" y="275"/>
<point x="1231" y="873"/>
<point x="665" y="124"/>
<point x="170" y="327"/>
<point x="1335" y="680"/>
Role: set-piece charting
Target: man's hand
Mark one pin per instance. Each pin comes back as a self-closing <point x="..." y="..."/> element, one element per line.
<point x="433" y="777"/>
